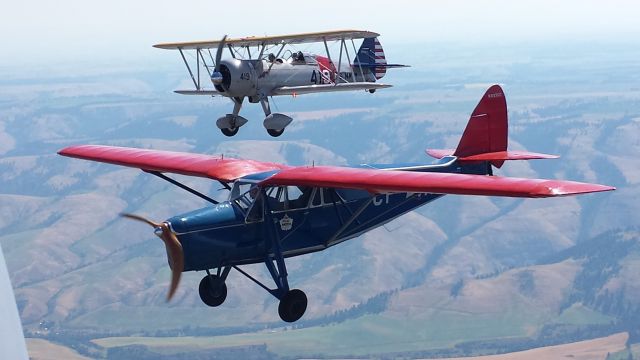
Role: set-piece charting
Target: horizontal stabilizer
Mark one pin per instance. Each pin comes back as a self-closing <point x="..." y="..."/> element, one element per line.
<point x="492" y="156"/>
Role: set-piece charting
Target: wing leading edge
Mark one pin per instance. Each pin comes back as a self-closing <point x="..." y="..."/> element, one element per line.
<point x="377" y="181"/>
<point x="208" y="166"/>
<point x="273" y="40"/>
<point x="389" y="181"/>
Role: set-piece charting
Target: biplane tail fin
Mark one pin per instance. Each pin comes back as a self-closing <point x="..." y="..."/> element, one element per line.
<point x="486" y="136"/>
<point x="371" y="55"/>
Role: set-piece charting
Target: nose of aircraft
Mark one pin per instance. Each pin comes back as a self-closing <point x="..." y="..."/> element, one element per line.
<point x="221" y="214"/>
<point x="216" y="78"/>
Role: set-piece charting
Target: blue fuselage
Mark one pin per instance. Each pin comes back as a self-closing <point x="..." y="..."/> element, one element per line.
<point x="243" y="231"/>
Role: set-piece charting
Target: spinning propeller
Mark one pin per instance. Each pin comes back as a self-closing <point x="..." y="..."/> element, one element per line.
<point x="175" y="254"/>
<point x="217" y="77"/>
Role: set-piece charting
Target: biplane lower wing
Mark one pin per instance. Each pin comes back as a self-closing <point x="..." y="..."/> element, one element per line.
<point x="376" y="181"/>
<point x="309" y="89"/>
<point x="197" y="92"/>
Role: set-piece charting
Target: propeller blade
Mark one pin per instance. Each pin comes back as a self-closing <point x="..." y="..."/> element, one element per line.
<point x="176" y="258"/>
<point x="173" y="247"/>
<point x="219" y="53"/>
<point x="140" y="218"/>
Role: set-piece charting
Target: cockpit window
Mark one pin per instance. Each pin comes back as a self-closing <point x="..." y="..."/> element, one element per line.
<point x="249" y="199"/>
<point x="283" y="198"/>
<point x="326" y="196"/>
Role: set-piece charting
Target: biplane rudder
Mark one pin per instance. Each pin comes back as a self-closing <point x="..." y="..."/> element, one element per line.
<point x="485" y="138"/>
<point x="371" y="56"/>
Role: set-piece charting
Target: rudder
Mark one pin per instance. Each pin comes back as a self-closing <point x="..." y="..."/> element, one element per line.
<point x="371" y="54"/>
<point x="487" y="129"/>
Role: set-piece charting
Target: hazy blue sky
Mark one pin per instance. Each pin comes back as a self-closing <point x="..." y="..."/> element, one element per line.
<point x="72" y="29"/>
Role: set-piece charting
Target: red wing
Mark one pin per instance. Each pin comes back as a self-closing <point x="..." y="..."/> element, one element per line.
<point x="213" y="167"/>
<point x="388" y="181"/>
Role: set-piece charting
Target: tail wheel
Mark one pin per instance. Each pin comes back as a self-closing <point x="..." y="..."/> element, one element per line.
<point x="213" y="290"/>
<point x="292" y="305"/>
<point x="230" y="131"/>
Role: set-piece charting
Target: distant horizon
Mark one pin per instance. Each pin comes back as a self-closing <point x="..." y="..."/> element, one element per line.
<point x="71" y="30"/>
<point x="146" y="56"/>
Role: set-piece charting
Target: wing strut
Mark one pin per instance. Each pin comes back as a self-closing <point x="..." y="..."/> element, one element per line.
<point x="197" y="85"/>
<point x="182" y="186"/>
<point x="354" y="217"/>
<point x="354" y="59"/>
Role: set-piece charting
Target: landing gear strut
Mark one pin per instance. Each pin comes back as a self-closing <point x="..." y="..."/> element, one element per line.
<point x="231" y="123"/>
<point x="273" y="122"/>
<point x="293" y="302"/>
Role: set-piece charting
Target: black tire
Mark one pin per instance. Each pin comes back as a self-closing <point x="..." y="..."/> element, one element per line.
<point x="213" y="290"/>
<point x="371" y="91"/>
<point x="274" y="132"/>
<point x="292" y="305"/>
<point x="230" y="131"/>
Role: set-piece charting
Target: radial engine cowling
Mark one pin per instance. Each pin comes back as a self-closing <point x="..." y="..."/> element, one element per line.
<point x="238" y="78"/>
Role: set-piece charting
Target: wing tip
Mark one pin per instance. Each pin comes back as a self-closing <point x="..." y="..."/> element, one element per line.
<point x="568" y="188"/>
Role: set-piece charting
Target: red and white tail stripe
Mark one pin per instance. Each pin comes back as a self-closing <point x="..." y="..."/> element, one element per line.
<point x="380" y="59"/>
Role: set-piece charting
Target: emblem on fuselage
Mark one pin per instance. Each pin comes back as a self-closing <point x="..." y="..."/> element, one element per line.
<point x="286" y="223"/>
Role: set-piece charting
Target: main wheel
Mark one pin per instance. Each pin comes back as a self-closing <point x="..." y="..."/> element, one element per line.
<point x="274" y="132"/>
<point x="371" y="91"/>
<point x="292" y="305"/>
<point x="213" y="290"/>
<point x="230" y="131"/>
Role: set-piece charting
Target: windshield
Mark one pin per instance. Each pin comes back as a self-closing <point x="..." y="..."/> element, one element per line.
<point x="248" y="198"/>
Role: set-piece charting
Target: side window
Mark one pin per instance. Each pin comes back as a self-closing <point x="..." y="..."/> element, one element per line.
<point x="255" y="213"/>
<point x="288" y="197"/>
<point x="317" y="197"/>
<point x="298" y="196"/>
<point x="331" y="196"/>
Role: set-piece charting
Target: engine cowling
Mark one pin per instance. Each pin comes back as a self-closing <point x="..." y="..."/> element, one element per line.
<point x="238" y="78"/>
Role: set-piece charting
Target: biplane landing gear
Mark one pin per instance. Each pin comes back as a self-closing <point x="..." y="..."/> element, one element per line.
<point x="231" y="123"/>
<point x="229" y="131"/>
<point x="371" y="91"/>
<point x="274" y="132"/>
<point x="213" y="289"/>
<point x="276" y="122"/>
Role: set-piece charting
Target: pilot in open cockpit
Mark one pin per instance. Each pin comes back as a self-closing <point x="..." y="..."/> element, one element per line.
<point x="297" y="58"/>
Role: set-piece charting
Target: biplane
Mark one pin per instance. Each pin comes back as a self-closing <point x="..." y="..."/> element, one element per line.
<point x="276" y="211"/>
<point x="256" y="73"/>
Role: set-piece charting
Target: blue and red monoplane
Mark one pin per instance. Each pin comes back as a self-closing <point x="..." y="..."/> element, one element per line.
<point x="276" y="211"/>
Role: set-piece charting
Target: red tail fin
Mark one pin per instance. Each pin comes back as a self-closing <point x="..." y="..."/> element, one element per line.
<point x="486" y="131"/>
<point x="485" y="137"/>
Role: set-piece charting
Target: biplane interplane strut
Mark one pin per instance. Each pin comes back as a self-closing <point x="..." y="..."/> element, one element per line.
<point x="254" y="72"/>
<point x="276" y="211"/>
